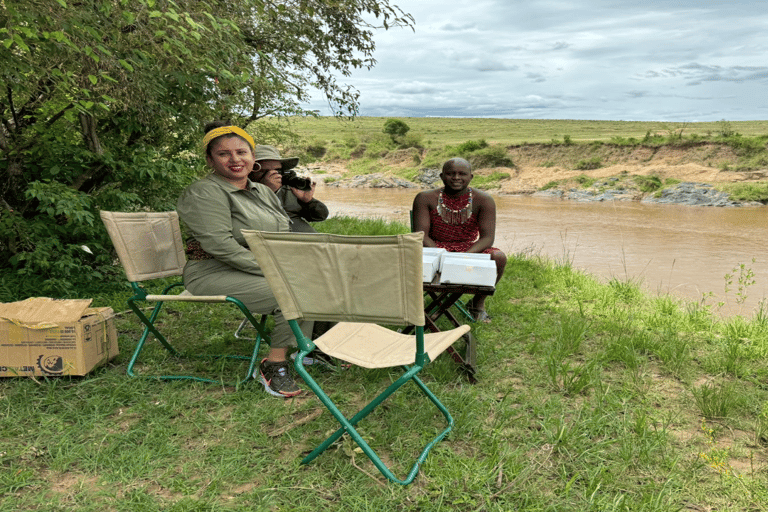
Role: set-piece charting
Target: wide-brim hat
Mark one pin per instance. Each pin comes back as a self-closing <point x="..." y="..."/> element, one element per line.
<point x="271" y="153"/>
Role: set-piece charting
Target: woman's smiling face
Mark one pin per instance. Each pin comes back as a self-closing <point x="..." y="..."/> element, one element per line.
<point x="232" y="159"/>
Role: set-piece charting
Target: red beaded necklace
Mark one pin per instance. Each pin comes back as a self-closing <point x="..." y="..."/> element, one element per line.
<point x="454" y="216"/>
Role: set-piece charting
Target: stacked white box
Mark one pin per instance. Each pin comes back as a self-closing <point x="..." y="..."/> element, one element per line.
<point x="462" y="255"/>
<point x="462" y="270"/>
<point x="431" y="258"/>
<point x="431" y="262"/>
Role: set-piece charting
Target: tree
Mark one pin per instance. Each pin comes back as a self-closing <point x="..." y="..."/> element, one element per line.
<point x="102" y="103"/>
<point x="395" y="128"/>
<point x="299" y="45"/>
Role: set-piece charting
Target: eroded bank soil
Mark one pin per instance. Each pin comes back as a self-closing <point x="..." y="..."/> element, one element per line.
<point x="537" y="165"/>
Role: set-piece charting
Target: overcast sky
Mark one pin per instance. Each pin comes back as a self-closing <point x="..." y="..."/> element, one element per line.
<point x="650" y="60"/>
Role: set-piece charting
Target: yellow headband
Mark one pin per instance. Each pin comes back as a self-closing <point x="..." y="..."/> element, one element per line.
<point x="223" y="130"/>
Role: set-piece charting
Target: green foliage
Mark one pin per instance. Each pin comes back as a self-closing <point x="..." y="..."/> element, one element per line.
<point x="715" y="401"/>
<point x="551" y="184"/>
<point x="104" y="104"/>
<point x="725" y="129"/>
<point x="755" y="191"/>
<point x="411" y="140"/>
<point x="343" y="225"/>
<point x="648" y="183"/>
<point x="493" y="156"/>
<point x="489" y="181"/>
<point x="395" y="128"/>
<point x="584" y="180"/>
<point x="443" y="132"/>
<point x="589" y="164"/>
<point x="470" y="146"/>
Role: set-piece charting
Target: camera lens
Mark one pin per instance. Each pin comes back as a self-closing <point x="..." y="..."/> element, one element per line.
<point x="291" y="179"/>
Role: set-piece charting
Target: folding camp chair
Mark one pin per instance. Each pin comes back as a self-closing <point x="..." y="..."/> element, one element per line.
<point x="461" y="306"/>
<point x="360" y="282"/>
<point x="149" y="246"/>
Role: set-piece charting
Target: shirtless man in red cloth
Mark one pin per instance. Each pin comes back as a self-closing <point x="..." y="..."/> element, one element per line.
<point x="460" y="219"/>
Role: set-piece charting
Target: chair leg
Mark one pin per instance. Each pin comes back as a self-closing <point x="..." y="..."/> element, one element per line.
<point x="149" y="327"/>
<point x="256" y="346"/>
<point x="240" y="328"/>
<point x="461" y="306"/>
<point x="348" y="425"/>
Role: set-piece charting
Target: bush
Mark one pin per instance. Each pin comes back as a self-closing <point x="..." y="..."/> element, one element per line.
<point x="411" y="140"/>
<point x="551" y="184"/>
<point x="648" y="183"/>
<point x="592" y="163"/>
<point x="495" y="156"/>
<point x="747" y="191"/>
<point x="470" y="146"/>
<point x="585" y="181"/>
<point x="395" y="128"/>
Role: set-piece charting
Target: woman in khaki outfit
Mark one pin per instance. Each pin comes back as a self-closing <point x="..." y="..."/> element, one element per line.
<point x="215" y="209"/>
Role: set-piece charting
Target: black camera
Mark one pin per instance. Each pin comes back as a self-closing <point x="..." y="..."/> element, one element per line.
<point x="292" y="179"/>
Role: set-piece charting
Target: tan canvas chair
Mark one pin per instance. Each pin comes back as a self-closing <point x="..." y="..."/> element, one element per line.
<point x="360" y="282"/>
<point x="149" y="246"/>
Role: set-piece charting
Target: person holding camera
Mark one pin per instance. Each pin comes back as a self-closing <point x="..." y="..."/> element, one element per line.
<point x="296" y="194"/>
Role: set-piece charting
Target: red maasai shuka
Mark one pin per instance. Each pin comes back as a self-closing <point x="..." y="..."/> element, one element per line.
<point x="455" y="237"/>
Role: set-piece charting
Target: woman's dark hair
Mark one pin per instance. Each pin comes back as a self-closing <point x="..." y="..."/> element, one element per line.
<point x="215" y="124"/>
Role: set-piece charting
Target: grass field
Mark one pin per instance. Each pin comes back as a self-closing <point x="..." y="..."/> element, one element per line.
<point x="591" y="397"/>
<point x="451" y="131"/>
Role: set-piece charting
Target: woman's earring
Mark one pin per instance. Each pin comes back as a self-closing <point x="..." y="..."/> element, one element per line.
<point x="254" y="166"/>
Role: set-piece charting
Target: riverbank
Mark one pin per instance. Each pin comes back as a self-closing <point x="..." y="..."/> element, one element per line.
<point x="720" y="169"/>
<point x="670" y="185"/>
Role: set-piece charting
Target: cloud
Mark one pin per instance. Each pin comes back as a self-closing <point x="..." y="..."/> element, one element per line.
<point x="579" y="59"/>
<point x="695" y="73"/>
<point x="414" y="88"/>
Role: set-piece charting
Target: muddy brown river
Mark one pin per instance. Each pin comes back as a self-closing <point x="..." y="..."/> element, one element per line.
<point x="679" y="250"/>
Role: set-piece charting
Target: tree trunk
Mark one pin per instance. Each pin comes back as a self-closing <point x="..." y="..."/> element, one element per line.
<point x="88" y="125"/>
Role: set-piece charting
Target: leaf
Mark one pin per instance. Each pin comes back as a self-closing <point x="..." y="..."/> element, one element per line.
<point x="93" y="79"/>
<point x="19" y="41"/>
<point x="126" y="64"/>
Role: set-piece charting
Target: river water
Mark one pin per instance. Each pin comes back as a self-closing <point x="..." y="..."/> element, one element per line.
<point x="678" y="250"/>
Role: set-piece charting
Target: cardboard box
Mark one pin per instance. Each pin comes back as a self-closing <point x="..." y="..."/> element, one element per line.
<point x="475" y="271"/>
<point x="47" y="337"/>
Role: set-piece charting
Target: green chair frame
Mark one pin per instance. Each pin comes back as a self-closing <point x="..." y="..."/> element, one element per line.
<point x="149" y="247"/>
<point x="362" y="283"/>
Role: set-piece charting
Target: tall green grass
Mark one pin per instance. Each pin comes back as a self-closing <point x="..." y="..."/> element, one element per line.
<point x="590" y="397"/>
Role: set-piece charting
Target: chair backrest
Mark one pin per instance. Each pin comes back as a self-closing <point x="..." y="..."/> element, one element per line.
<point x="320" y="276"/>
<point x="148" y="244"/>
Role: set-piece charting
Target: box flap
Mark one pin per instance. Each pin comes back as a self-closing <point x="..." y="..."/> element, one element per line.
<point x="44" y="310"/>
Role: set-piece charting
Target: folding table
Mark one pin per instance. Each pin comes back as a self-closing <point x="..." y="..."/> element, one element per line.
<point x="443" y="297"/>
